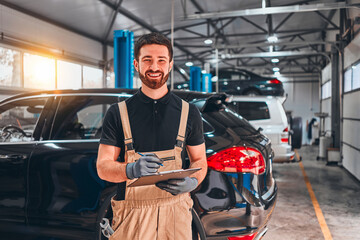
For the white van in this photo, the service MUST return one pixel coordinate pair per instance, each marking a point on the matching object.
(268, 113)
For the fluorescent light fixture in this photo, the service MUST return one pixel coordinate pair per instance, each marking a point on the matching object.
(277, 73)
(272, 39)
(276, 69)
(203, 71)
(208, 41)
(189, 64)
(275, 60)
(182, 71)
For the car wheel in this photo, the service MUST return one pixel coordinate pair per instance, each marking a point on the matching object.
(104, 212)
(198, 232)
(252, 93)
(296, 137)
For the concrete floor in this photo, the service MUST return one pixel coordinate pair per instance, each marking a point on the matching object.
(336, 191)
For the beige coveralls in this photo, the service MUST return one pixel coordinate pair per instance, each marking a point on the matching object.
(149, 213)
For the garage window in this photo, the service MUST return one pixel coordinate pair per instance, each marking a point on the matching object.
(10, 67)
(326, 90)
(356, 77)
(348, 80)
(92, 77)
(68, 75)
(39, 72)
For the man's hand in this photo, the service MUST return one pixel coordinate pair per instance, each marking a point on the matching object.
(145, 165)
(178, 186)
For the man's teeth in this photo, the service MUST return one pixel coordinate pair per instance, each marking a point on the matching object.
(154, 75)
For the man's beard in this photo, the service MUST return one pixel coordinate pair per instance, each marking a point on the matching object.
(153, 84)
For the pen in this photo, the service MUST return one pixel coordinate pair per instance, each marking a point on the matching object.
(144, 155)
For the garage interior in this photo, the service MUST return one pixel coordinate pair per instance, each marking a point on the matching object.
(317, 47)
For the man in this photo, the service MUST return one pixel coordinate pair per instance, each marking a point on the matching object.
(150, 131)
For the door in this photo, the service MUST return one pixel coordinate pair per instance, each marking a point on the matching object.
(21, 123)
(66, 195)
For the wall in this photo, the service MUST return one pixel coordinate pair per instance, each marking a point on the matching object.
(351, 115)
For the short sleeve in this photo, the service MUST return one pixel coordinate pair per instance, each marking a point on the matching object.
(112, 129)
(196, 133)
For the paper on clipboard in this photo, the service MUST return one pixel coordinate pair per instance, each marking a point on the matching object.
(163, 176)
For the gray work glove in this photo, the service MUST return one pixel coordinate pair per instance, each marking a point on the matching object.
(145, 165)
(178, 186)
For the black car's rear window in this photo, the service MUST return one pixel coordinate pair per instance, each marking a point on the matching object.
(251, 110)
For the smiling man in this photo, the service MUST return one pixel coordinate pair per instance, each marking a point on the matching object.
(150, 132)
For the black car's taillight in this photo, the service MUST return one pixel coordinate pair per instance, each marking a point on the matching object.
(274, 81)
(238, 159)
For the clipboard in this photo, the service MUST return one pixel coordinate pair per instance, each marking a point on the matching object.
(163, 176)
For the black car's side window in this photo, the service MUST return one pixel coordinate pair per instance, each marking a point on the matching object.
(18, 119)
(81, 117)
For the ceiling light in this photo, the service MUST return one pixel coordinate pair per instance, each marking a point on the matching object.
(276, 69)
(203, 71)
(182, 71)
(275, 60)
(272, 39)
(277, 73)
(189, 64)
(208, 41)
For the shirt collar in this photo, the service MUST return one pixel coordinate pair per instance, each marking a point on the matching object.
(145, 99)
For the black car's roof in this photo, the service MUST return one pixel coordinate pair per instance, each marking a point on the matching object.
(186, 95)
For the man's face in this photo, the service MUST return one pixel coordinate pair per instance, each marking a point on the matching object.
(154, 65)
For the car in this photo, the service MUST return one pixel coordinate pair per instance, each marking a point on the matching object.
(50, 188)
(243, 82)
(267, 113)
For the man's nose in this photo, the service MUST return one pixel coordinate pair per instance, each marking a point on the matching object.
(154, 66)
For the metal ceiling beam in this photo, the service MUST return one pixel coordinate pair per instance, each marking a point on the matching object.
(273, 10)
(295, 31)
(112, 21)
(327, 20)
(147, 26)
(254, 24)
(283, 21)
(51, 21)
(273, 54)
(200, 9)
(266, 44)
(280, 65)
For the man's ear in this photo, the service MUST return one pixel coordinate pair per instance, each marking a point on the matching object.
(136, 65)
(171, 65)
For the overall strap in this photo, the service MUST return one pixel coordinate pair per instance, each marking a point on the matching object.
(183, 122)
(128, 141)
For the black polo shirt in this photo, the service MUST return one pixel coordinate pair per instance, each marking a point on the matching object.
(154, 124)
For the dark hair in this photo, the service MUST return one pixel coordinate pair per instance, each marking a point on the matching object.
(152, 38)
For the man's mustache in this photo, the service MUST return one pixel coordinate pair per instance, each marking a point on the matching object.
(149, 71)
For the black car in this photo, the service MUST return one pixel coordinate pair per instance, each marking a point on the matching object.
(49, 184)
(243, 82)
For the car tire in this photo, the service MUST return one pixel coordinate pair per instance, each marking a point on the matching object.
(252, 92)
(296, 137)
(105, 211)
(198, 232)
